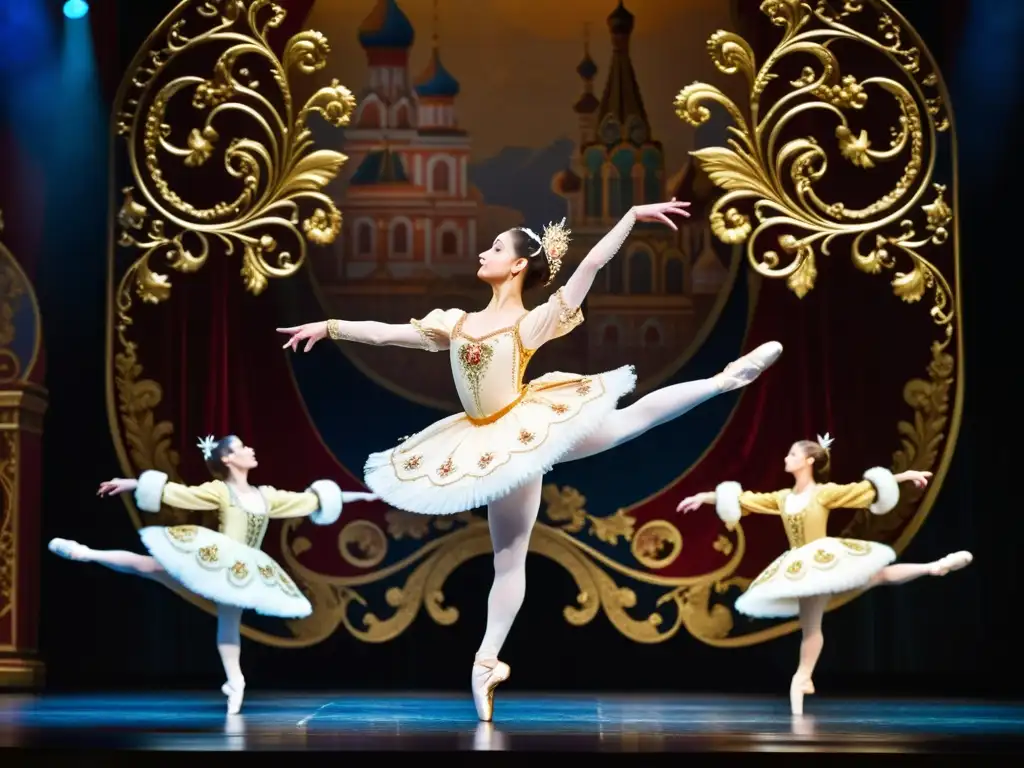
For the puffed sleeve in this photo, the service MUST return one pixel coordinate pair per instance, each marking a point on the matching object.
(550, 320)
(436, 328)
(321, 502)
(154, 489)
(878, 492)
(732, 502)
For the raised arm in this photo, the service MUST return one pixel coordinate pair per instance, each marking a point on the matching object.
(561, 313)
(432, 333)
(321, 502)
(578, 285)
(731, 503)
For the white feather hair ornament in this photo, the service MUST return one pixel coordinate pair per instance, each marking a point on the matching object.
(206, 445)
(826, 441)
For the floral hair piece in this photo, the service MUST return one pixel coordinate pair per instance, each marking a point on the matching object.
(206, 445)
(554, 242)
(826, 441)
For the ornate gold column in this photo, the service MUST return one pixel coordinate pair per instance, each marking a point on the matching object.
(22, 405)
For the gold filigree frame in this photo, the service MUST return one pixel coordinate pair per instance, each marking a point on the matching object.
(278, 174)
(750, 169)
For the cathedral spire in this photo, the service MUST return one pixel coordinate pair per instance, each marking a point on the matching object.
(437, 26)
(587, 103)
(622, 107)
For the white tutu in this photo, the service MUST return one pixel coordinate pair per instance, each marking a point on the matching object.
(225, 571)
(822, 567)
(455, 465)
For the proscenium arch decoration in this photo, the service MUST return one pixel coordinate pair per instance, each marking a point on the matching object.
(281, 179)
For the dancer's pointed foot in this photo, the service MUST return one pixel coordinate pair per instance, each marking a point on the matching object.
(69, 550)
(951, 562)
(235, 693)
(488, 674)
(798, 688)
(741, 372)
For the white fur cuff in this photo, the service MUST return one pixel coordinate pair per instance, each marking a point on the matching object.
(887, 490)
(149, 492)
(727, 502)
(330, 502)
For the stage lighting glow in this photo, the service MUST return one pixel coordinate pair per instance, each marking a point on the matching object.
(76, 9)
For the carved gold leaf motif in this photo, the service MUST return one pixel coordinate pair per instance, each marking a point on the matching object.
(775, 176)
(273, 166)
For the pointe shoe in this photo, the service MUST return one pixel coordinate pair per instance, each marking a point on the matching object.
(798, 688)
(235, 693)
(744, 370)
(487, 675)
(952, 562)
(69, 550)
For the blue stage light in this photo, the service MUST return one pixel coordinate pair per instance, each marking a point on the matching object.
(76, 9)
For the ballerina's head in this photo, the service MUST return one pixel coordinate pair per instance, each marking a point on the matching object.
(227, 456)
(811, 456)
(523, 256)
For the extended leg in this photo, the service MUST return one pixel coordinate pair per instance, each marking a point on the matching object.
(669, 403)
(115, 559)
(812, 609)
(901, 573)
(511, 521)
(229, 645)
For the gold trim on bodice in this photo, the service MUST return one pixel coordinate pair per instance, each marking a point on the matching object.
(474, 359)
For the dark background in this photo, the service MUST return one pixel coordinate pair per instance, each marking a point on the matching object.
(954, 637)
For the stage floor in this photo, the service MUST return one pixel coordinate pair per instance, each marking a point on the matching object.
(315, 723)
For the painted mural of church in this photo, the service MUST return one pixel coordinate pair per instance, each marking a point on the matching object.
(408, 208)
(649, 302)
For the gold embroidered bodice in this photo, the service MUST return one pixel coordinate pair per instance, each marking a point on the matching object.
(245, 520)
(488, 371)
(806, 519)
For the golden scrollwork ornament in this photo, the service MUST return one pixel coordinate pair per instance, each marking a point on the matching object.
(602, 581)
(236, 118)
(771, 177)
(776, 175)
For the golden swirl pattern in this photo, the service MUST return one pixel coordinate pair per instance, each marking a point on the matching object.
(679, 602)
(271, 161)
(777, 178)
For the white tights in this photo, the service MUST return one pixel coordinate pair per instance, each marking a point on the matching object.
(229, 618)
(511, 518)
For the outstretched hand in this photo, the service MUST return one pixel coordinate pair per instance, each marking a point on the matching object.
(311, 333)
(919, 479)
(117, 486)
(690, 503)
(660, 212)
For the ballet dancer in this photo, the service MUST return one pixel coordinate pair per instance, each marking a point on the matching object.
(224, 566)
(511, 433)
(802, 580)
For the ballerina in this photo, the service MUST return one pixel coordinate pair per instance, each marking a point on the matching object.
(511, 433)
(802, 580)
(225, 566)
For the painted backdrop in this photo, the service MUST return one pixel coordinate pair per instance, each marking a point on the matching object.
(357, 168)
